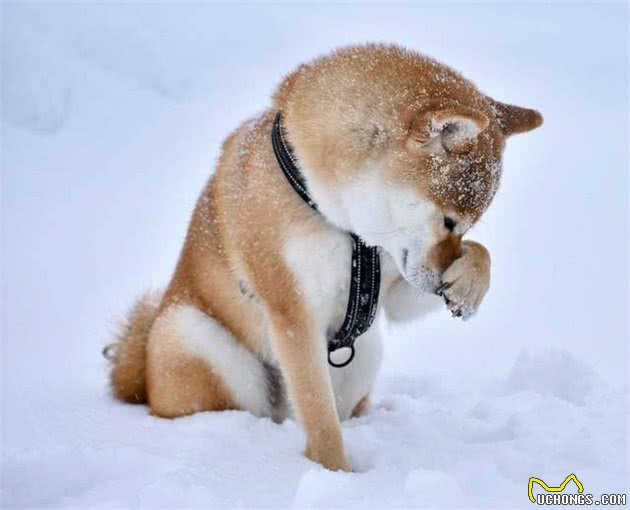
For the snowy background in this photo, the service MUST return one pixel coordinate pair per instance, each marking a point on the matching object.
(112, 118)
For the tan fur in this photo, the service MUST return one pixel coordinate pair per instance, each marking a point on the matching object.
(128, 377)
(341, 112)
(361, 408)
(374, 105)
(178, 383)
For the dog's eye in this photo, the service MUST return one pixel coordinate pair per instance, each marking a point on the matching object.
(449, 223)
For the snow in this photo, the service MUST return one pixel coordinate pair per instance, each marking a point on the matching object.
(112, 116)
(422, 444)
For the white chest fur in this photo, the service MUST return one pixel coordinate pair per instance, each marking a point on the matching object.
(320, 258)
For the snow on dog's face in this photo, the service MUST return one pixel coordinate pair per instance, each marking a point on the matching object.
(441, 177)
(432, 185)
(399, 149)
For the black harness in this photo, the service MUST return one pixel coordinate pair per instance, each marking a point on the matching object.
(365, 281)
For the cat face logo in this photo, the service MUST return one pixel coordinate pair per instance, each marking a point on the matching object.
(560, 488)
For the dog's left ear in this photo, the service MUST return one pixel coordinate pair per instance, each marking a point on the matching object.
(515, 119)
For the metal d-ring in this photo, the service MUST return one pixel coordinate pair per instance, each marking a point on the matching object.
(345, 363)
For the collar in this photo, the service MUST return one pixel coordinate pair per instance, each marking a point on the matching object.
(365, 280)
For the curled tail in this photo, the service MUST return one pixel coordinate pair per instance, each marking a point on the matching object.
(128, 352)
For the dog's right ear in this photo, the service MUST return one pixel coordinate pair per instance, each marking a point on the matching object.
(453, 130)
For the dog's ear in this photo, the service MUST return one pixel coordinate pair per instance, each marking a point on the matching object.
(514, 119)
(453, 130)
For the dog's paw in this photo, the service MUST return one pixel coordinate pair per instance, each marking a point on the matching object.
(466, 281)
(332, 458)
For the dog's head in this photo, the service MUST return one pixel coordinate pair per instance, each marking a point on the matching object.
(399, 149)
(441, 178)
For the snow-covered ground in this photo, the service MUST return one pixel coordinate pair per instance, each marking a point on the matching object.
(112, 116)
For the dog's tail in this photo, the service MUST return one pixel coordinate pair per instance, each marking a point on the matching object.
(129, 352)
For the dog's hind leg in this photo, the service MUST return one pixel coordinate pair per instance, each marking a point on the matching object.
(195, 364)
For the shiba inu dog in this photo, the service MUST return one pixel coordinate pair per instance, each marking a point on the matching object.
(393, 147)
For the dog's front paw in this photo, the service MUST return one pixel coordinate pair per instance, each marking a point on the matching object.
(466, 281)
(328, 455)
